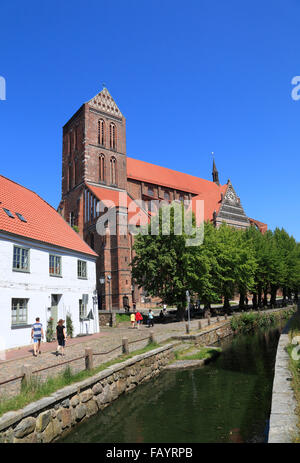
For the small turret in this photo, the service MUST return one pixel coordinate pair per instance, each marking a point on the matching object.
(215, 173)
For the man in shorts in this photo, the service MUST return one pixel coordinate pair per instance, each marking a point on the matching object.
(37, 334)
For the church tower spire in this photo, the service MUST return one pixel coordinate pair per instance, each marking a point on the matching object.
(215, 173)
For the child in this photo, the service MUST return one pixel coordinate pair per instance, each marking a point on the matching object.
(132, 319)
(138, 318)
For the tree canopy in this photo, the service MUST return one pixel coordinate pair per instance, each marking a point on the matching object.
(227, 262)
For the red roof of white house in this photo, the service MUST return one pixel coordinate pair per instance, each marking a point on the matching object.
(43, 222)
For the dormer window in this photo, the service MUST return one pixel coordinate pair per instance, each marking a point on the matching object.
(7, 211)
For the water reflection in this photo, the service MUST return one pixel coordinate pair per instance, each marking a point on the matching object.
(227, 401)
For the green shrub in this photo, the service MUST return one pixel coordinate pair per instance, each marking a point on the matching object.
(50, 330)
(69, 325)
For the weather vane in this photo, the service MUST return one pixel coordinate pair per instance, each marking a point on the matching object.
(103, 85)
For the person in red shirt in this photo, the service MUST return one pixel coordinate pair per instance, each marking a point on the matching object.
(138, 319)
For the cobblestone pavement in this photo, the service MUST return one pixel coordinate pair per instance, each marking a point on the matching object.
(105, 341)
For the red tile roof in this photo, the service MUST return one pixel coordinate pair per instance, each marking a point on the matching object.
(206, 190)
(43, 224)
(111, 198)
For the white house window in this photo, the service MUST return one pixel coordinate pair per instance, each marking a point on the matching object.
(19, 311)
(82, 310)
(21, 259)
(81, 269)
(55, 265)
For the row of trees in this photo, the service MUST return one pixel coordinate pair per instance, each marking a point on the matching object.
(229, 261)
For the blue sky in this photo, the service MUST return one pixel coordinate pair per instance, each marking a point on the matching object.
(190, 77)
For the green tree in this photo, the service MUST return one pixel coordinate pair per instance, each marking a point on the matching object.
(162, 262)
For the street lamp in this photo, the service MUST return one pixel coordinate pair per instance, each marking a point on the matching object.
(110, 295)
(188, 307)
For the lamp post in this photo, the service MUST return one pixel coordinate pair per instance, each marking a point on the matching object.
(188, 308)
(102, 282)
(109, 294)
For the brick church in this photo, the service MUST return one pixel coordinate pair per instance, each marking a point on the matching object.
(96, 171)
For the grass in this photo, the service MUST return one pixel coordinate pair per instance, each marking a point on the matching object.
(203, 353)
(248, 321)
(122, 317)
(37, 389)
(294, 366)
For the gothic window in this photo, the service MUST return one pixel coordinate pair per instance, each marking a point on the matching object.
(167, 196)
(150, 191)
(101, 168)
(112, 136)
(75, 138)
(101, 132)
(76, 172)
(70, 142)
(113, 162)
(70, 176)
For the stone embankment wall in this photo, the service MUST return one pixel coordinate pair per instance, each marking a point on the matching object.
(208, 336)
(283, 419)
(51, 417)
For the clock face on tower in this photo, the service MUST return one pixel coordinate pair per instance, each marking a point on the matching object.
(230, 195)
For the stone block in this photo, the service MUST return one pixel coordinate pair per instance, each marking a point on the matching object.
(25, 427)
(86, 395)
(43, 420)
(64, 417)
(52, 431)
(30, 439)
(80, 412)
(92, 407)
(97, 389)
(74, 401)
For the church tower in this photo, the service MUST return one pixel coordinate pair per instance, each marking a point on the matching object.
(93, 170)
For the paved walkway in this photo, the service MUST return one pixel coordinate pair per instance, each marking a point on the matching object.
(108, 339)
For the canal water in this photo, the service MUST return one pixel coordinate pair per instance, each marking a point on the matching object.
(228, 400)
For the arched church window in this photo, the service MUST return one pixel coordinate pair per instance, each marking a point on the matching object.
(70, 176)
(101, 132)
(112, 136)
(101, 168)
(113, 179)
(76, 174)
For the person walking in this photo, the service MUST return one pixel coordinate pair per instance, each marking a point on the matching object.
(150, 318)
(61, 336)
(37, 334)
(132, 319)
(138, 318)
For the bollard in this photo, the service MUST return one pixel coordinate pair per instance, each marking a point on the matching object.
(125, 346)
(89, 359)
(200, 325)
(208, 320)
(27, 374)
(225, 316)
(218, 318)
(187, 328)
(151, 338)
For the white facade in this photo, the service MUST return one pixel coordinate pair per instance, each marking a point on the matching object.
(43, 292)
